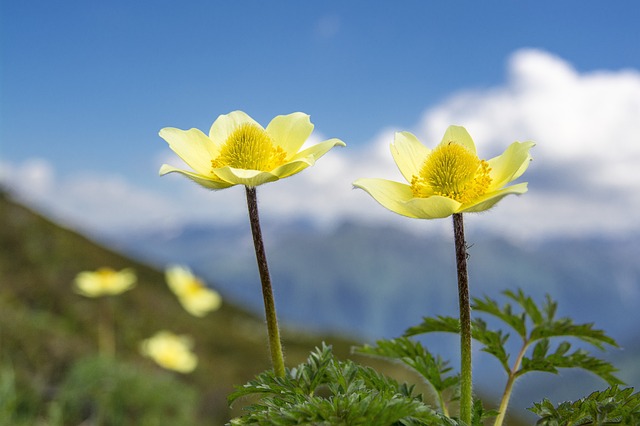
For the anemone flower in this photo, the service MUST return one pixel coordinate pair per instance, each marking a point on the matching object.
(449, 179)
(239, 151)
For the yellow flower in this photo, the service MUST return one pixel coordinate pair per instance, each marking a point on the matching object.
(193, 294)
(170, 351)
(239, 151)
(448, 179)
(104, 281)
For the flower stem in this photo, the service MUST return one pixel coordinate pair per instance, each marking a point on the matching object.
(106, 333)
(275, 346)
(466, 401)
(506, 395)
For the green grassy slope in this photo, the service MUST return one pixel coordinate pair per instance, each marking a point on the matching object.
(45, 327)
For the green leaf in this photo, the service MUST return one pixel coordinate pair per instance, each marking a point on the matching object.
(493, 341)
(479, 414)
(540, 350)
(565, 327)
(414, 355)
(438, 324)
(527, 304)
(550, 308)
(491, 307)
(611, 406)
(542, 361)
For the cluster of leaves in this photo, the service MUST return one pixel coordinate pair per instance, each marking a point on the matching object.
(609, 407)
(433, 369)
(535, 327)
(326, 391)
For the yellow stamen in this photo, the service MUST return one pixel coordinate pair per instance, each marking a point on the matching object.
(193, 287)
(250, 147)
(452, 171)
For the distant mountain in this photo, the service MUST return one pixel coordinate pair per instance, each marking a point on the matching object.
(377, 281)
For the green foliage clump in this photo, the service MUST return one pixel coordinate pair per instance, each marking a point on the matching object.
(325, 391)
(432, 368)
(613, 406)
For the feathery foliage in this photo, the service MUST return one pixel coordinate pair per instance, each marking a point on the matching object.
(613, 406)
(325, 391)
(535, 327)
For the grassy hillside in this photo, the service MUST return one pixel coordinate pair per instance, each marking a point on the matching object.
(45, 328)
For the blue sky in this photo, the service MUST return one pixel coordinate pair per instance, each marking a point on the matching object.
(85, 87)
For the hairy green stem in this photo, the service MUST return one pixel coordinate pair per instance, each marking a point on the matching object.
(466, 400)
(506, 395)
(443, 405)
(275, 345)
(106, 333)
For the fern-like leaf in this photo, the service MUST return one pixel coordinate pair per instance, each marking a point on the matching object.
(608, 407)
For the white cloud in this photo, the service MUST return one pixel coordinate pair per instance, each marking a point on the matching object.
(572, 116)
(583, 179)
(89, 201)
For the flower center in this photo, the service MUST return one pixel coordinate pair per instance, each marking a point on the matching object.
(452, 171)
(193, 287)
(251, 148)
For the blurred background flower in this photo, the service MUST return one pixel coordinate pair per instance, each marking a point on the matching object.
(170, 351)
(104, 282)
(193, 294)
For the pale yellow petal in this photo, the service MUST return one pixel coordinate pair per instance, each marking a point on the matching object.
(306, 158)
(290, 131)
(202, 302)
(104, 282)
(409, 154)
(510, 165)
(459, 135)
(391, 195)
(193, 294)
(250, 178)
(293, 167)
(316, 151)
(225, 124)
(434, 207)
(193, 146)
(489, 200)
(170, 351)
(177, 278)
(208, 182)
